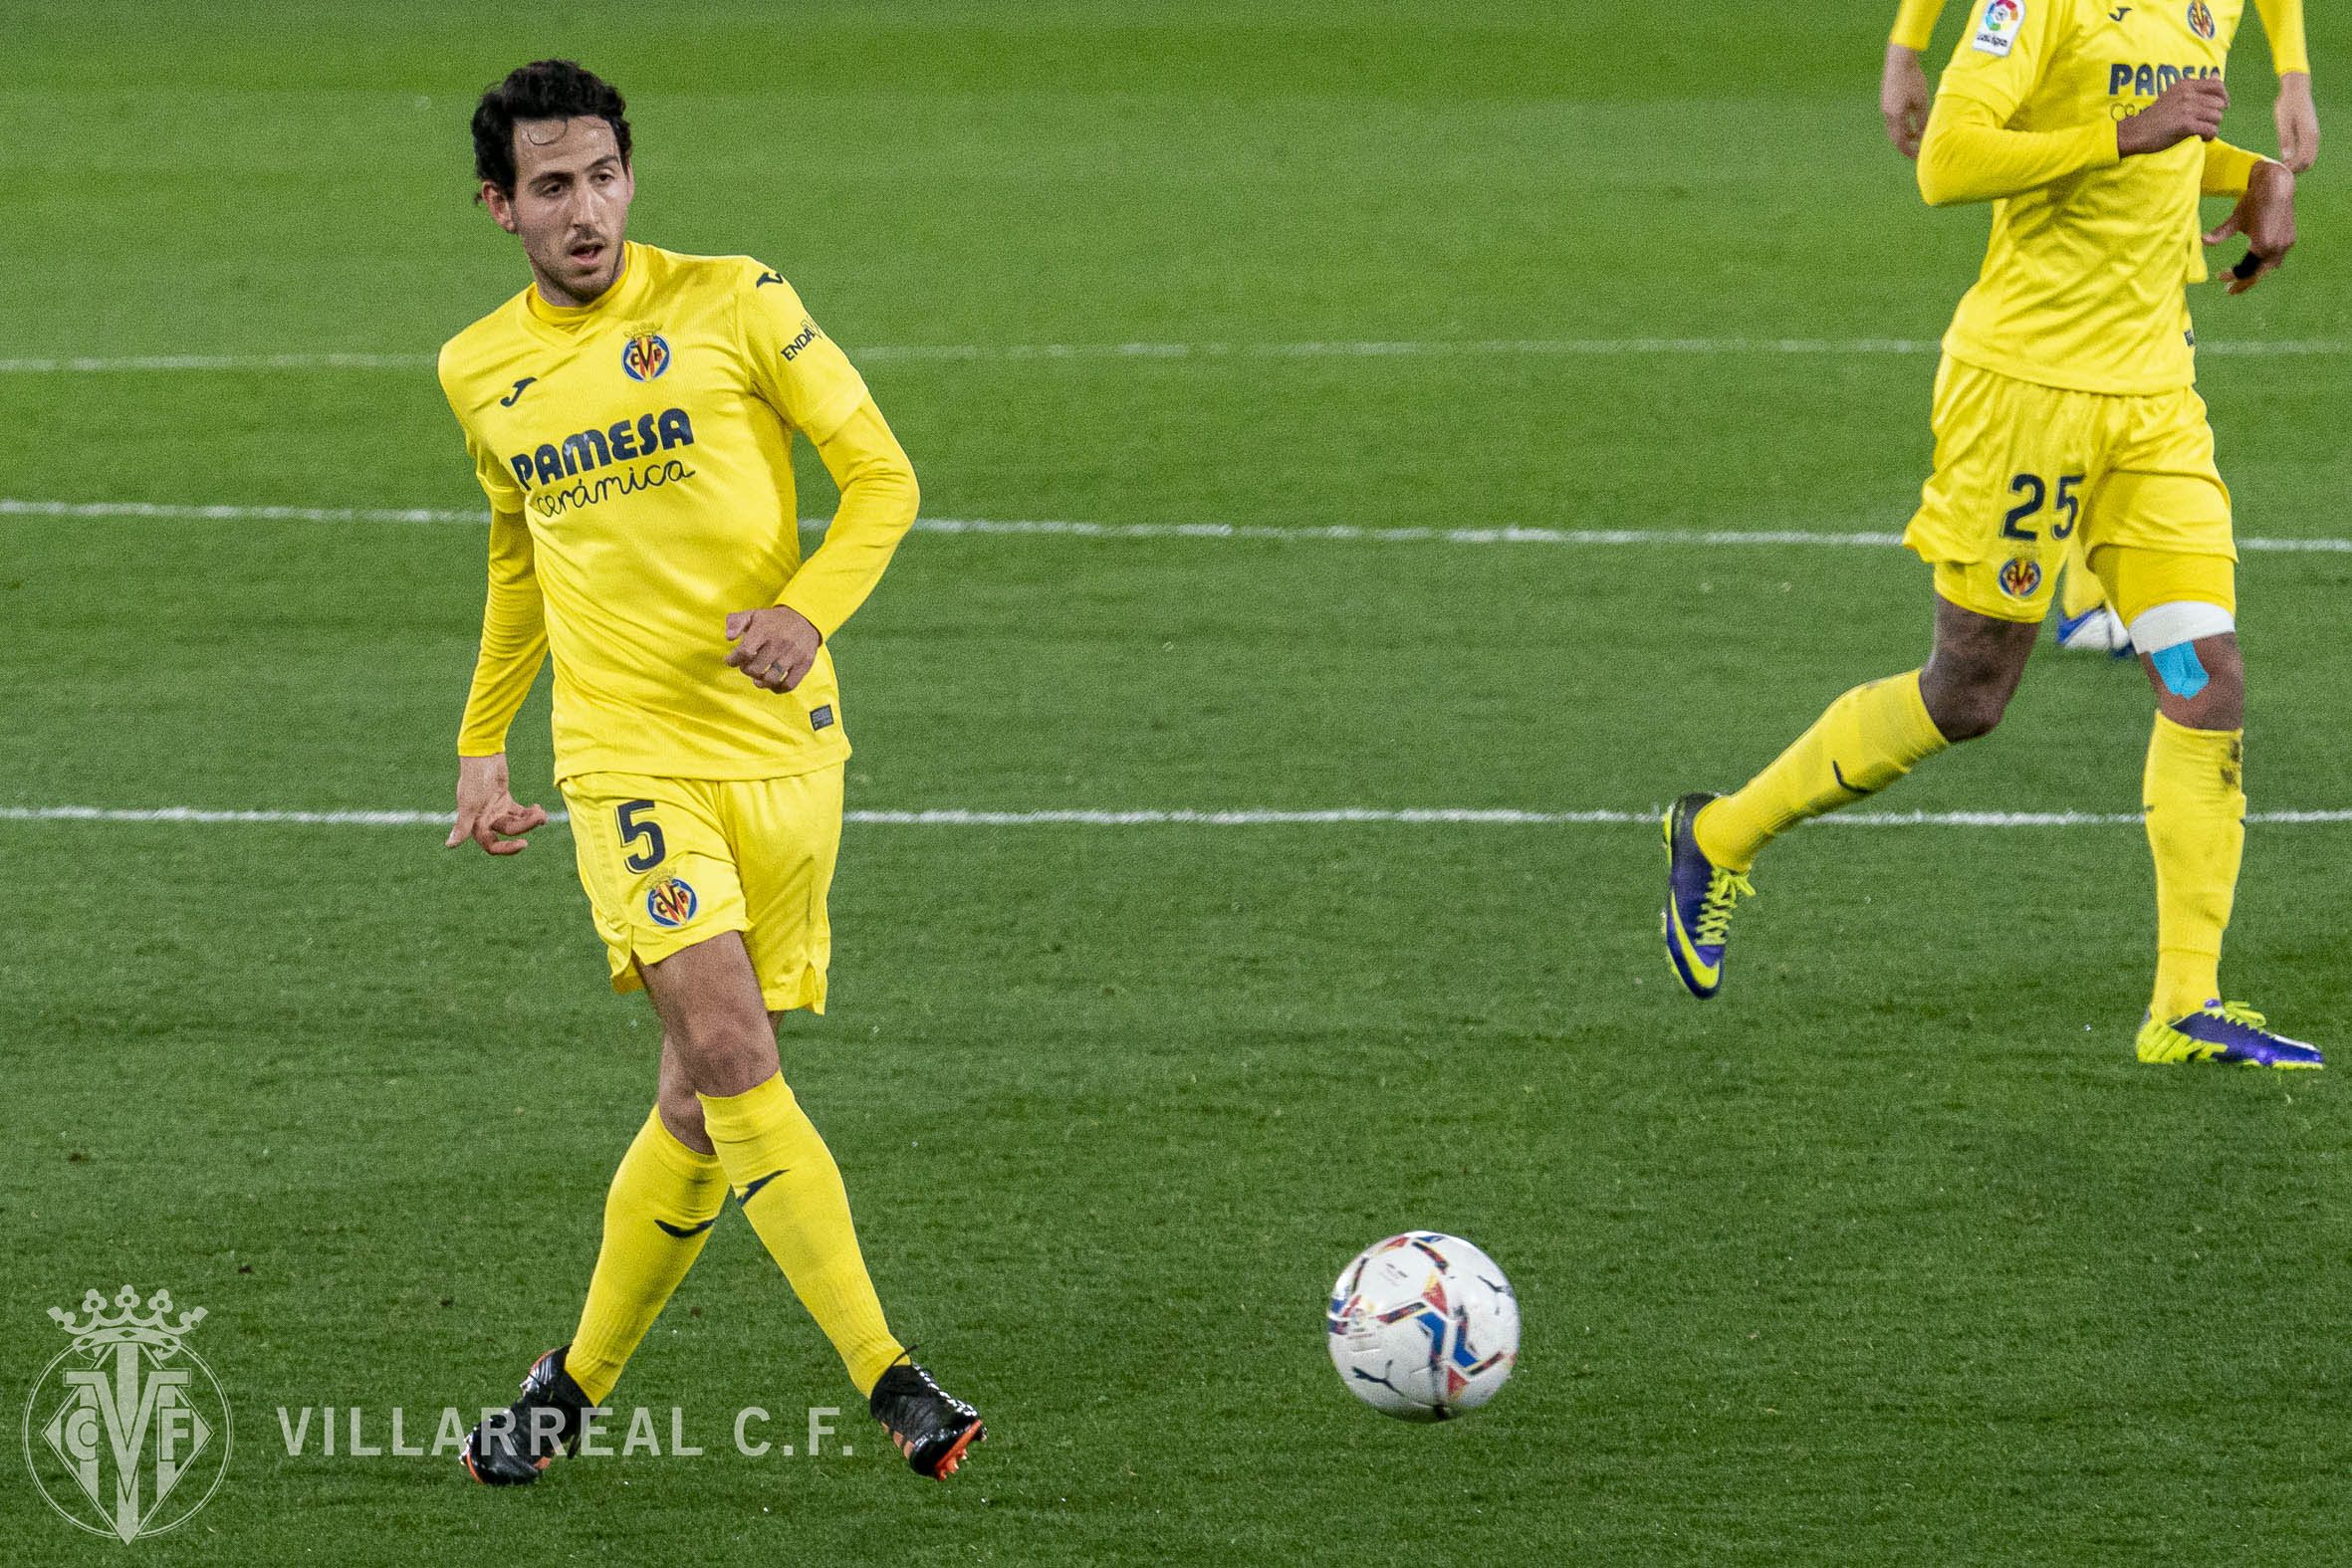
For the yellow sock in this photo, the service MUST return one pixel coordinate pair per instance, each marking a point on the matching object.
(2079, 592)
(657, 1214)
(1868, 739)
(2196, 798)
(792, 1194)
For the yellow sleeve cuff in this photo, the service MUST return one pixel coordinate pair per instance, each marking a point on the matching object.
(2227, 169)
(1915, 24)
(2282, 21)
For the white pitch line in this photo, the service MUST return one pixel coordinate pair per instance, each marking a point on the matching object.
(194, 512)
(201, 816)
(1335, 349)
(1310, 532)
(80, 365)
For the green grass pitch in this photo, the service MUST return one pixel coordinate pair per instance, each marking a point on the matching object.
(1891, 1254)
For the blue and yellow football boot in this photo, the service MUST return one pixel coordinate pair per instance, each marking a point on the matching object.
(1699, 896)
(2230, 1033)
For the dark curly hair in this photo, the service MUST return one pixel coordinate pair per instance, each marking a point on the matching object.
(542, 90)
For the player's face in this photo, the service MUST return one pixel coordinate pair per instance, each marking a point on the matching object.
(571, 204)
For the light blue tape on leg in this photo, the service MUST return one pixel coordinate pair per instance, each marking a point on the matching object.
(2181, 670)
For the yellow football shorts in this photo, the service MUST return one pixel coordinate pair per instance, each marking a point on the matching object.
(2021, 468)
(669, 862)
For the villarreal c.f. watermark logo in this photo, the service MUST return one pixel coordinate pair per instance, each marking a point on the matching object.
(127, 1432)
(645, 355)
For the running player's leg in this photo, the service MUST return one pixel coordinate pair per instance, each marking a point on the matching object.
(711, 1005)
(789, 831)
(2162, 546)
(637, 841)
(1993, 519)
(790, 1189)
(659, 876)
(657, 1214)
(1868, 739)
(1875, 734)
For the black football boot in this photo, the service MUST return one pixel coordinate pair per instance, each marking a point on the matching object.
(510, 1447)
(931, 1427)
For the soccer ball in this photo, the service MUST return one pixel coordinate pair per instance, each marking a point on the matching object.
(1423, 1326)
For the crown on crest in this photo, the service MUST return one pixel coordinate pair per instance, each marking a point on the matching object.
(127, 1322)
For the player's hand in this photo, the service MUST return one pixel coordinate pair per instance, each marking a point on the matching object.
(2297, 119)
(2266, 215)
(1903, 99)
(486, 812)
(2191, 107)
(774, 646)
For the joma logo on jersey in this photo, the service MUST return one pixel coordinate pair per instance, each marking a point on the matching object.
(593, 449)
(2148, 80)
(809, 334)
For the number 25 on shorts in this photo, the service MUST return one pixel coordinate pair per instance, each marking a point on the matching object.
(2031, 487)
(639, 827)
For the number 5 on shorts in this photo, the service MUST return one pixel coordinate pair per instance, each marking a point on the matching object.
(636, 822)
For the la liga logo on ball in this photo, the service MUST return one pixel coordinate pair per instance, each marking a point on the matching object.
(1423, 1326)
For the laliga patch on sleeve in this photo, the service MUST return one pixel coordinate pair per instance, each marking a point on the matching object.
(1999, 30)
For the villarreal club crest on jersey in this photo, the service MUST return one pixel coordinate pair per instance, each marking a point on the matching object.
(644, 355)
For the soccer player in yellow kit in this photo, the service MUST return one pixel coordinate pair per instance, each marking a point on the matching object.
(2065, 404)
(630, 416)
(2085, 622)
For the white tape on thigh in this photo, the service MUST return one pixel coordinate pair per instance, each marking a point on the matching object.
(2163, 626)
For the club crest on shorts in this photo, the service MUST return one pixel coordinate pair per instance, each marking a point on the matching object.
(1998, 31)
(644, 355)
(671, 902)
(2021, 577)
(2200, 19)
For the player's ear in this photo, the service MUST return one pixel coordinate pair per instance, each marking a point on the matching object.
(502, 206)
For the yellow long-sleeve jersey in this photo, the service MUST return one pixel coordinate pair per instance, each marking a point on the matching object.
(637, 452)
(2282, 21)
(2083, 282)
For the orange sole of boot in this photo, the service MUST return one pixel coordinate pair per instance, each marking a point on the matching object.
(955, 1455)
